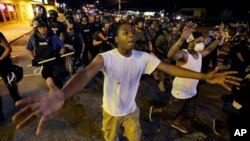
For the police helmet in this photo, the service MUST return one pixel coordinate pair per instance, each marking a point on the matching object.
(40, 11)
(68, 12)
(39, 22)
(52, 14)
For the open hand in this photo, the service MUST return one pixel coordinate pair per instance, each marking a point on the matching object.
(39, 106)
(223, 78)
(187, 30)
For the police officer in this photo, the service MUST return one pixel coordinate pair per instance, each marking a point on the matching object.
(55, 26)
(103, 40)
(5, 65)
(73, 40)
(43, 45)
(142, 38)
(85, 29)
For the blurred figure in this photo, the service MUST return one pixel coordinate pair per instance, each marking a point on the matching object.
(239, 109)
(162, 45)
(40, 11)
(5, 69)
(212, 57)
(142, 38)
(73, 41)
(103, 40)
(85, 29)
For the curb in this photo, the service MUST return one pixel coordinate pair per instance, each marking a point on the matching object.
(19, 37)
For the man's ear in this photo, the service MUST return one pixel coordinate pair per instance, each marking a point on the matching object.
(116, 39)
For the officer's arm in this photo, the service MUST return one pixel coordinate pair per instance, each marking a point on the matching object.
(31, 54)
(59, 43)
(96, 43)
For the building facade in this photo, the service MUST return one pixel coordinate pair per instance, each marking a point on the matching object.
(21, 10)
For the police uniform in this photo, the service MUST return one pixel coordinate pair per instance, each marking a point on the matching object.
(45, 48)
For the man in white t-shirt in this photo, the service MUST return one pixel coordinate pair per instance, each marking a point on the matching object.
(122, 68)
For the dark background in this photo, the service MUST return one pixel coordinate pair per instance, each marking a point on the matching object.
(213, 7)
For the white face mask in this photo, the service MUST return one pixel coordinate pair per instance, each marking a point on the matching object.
(199, 47)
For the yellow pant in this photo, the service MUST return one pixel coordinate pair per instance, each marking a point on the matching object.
(128, 125)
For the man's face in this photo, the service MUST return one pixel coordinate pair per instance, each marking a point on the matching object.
(42, 30)
(97, 17)
(84, 19)
(125, 37)
(216, 34)
(140, 25)
(175, 30)
(106, 26)
(70, 26)
(152, 26)
(194, 42)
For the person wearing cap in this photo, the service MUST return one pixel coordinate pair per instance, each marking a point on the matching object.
(162, 45)
(5, 68)
(184, 90)
(43, 45)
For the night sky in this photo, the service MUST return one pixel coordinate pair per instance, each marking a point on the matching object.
(239, 7)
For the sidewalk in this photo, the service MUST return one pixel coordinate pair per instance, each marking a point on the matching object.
(14, 31)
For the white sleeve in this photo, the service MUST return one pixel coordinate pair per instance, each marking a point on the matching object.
(151, 63)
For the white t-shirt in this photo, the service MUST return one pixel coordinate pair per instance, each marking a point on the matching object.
(121, 79)
(184, 88)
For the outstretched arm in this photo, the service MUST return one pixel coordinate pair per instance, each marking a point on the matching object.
(45, 105)
(81, 79)
(213, 77)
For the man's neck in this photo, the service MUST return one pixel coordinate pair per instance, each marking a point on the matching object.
(125, 53)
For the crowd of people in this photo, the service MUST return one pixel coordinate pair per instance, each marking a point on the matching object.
(110, 44)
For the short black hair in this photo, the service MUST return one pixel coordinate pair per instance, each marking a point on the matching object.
(117, 29)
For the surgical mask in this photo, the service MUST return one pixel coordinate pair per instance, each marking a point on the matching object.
(199, 47)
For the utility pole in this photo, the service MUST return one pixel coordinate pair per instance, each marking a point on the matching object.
(119, 6)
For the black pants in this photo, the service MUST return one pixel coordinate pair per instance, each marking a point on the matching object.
(56, 71)
(13, 89)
